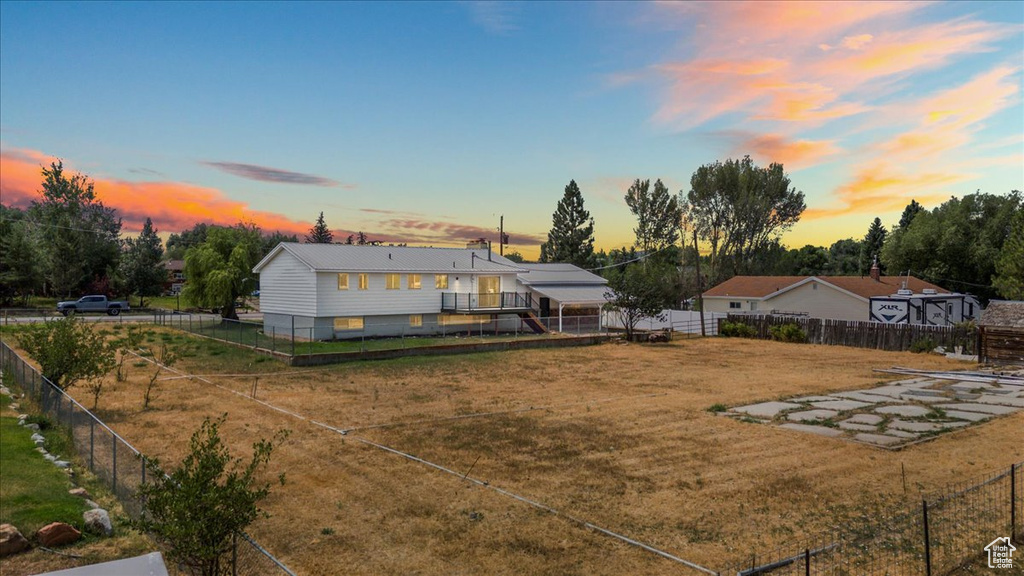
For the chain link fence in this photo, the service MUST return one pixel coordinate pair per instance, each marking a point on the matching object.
(111, 458)
(937, 536)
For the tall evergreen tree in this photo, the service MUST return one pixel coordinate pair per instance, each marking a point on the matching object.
(319, 233)
(1009, 278)
(143, 273)
(657, 213)
(571, 238)
(871, 248)
(908, 214)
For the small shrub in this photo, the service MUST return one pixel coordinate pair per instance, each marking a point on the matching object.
(926, 344)
(717, 408)
(43, 422)
(788, 333)
(327, 531)
(737, 330)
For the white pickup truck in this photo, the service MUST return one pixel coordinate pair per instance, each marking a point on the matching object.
(97, 303)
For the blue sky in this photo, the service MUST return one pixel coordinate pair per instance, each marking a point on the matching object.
(424, 122)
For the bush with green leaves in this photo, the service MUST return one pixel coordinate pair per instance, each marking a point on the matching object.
(926, 344)
(737, 330)
(69, 351)
(205, 501)
(790, 332)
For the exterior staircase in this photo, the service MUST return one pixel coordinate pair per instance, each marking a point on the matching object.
(531, 320)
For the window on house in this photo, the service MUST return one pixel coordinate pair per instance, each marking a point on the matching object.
(735, 305)
(350, 323)
(413, 281)
(392, 281)
(364, 281)
(814, 285)
(455, 319)
(441, 281)
(342, 281)
(415, 320)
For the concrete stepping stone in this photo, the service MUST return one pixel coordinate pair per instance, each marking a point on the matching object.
(819, 430)
(970, 386)
(870, 398)
(924, 392)
(808, 415)
(970, 416)
(926, 399)
(906, 410)
(902, 434)
(890, 391)
(838, 404)
(868, 419)
(914, 426)
(1000, 400)
(766, 409)
(878, 439)
(847, 425)
(982, 408)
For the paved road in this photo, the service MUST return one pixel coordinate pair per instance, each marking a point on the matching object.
(6, 320)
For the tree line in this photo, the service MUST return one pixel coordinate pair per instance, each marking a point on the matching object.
(731, 220)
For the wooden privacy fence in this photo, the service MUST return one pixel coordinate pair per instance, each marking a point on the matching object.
(877, 335)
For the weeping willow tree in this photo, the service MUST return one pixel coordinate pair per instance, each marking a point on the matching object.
(219, 270)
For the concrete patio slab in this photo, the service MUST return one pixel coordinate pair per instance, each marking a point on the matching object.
(926, 399)
(808, 415)
(982, 408)
(969, 416)
(878, 439)
(766, 409)
(847, 425)
(812, 399)
(902, 434)
(869, 419)
(914, 426)
(906, 410)
(862, 397)
(841, 405)
(819, 430)
(1000, 400)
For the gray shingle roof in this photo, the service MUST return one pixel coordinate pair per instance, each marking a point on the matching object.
(1003, 313)
(560, 274)
(355, 258)
(593, 294)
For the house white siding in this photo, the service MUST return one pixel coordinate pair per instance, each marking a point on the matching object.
(287, 286)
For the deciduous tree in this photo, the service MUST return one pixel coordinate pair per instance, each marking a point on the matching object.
(219, 270)
(68, 351)
(634, 294)
(657, 214)
(1009, 279)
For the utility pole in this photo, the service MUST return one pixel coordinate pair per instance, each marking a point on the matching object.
(700, 290)
(501, 236)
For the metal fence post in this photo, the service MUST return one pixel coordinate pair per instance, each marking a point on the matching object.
(113, 482)
(807, 562)
(1013, 502)
(92, 442)
(293, 336)
(927, 544)
(234, 554)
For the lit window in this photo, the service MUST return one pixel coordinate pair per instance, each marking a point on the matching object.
(415, 320)
(392, 281)
(413, 281)
(734, 305)
(455, 319)
(364, 281)
(441, 281)
(342, 281)
(351, 323)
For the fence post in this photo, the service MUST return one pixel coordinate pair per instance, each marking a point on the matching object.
(234, 554)
(927, 544)
(273, 338)
(807, 562)
(293, 335)
(113, 483)
(92, 442)
(1013, 502)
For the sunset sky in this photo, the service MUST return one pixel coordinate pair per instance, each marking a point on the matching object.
(424, 122)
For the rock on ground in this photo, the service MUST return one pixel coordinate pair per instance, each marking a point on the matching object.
(97, 521)
(11, 540)
(57, 534)
(80, 492)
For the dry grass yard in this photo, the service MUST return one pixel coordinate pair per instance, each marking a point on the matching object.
(618, 435)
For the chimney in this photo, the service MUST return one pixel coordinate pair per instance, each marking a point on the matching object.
(876, 274)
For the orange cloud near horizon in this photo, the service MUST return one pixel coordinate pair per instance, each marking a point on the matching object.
(173, 206)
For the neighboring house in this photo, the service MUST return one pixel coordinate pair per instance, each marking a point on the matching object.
(838, 297)
(560, 290)
(175, 277)
(326, 291)
(1001, 333)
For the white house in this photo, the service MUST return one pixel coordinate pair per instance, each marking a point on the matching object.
(560, 290)
(905, 298)
(327, 291)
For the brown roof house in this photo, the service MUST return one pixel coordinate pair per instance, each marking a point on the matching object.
(899, 298)
(1001, 332)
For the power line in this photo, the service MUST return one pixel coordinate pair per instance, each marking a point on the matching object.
(637, 259)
